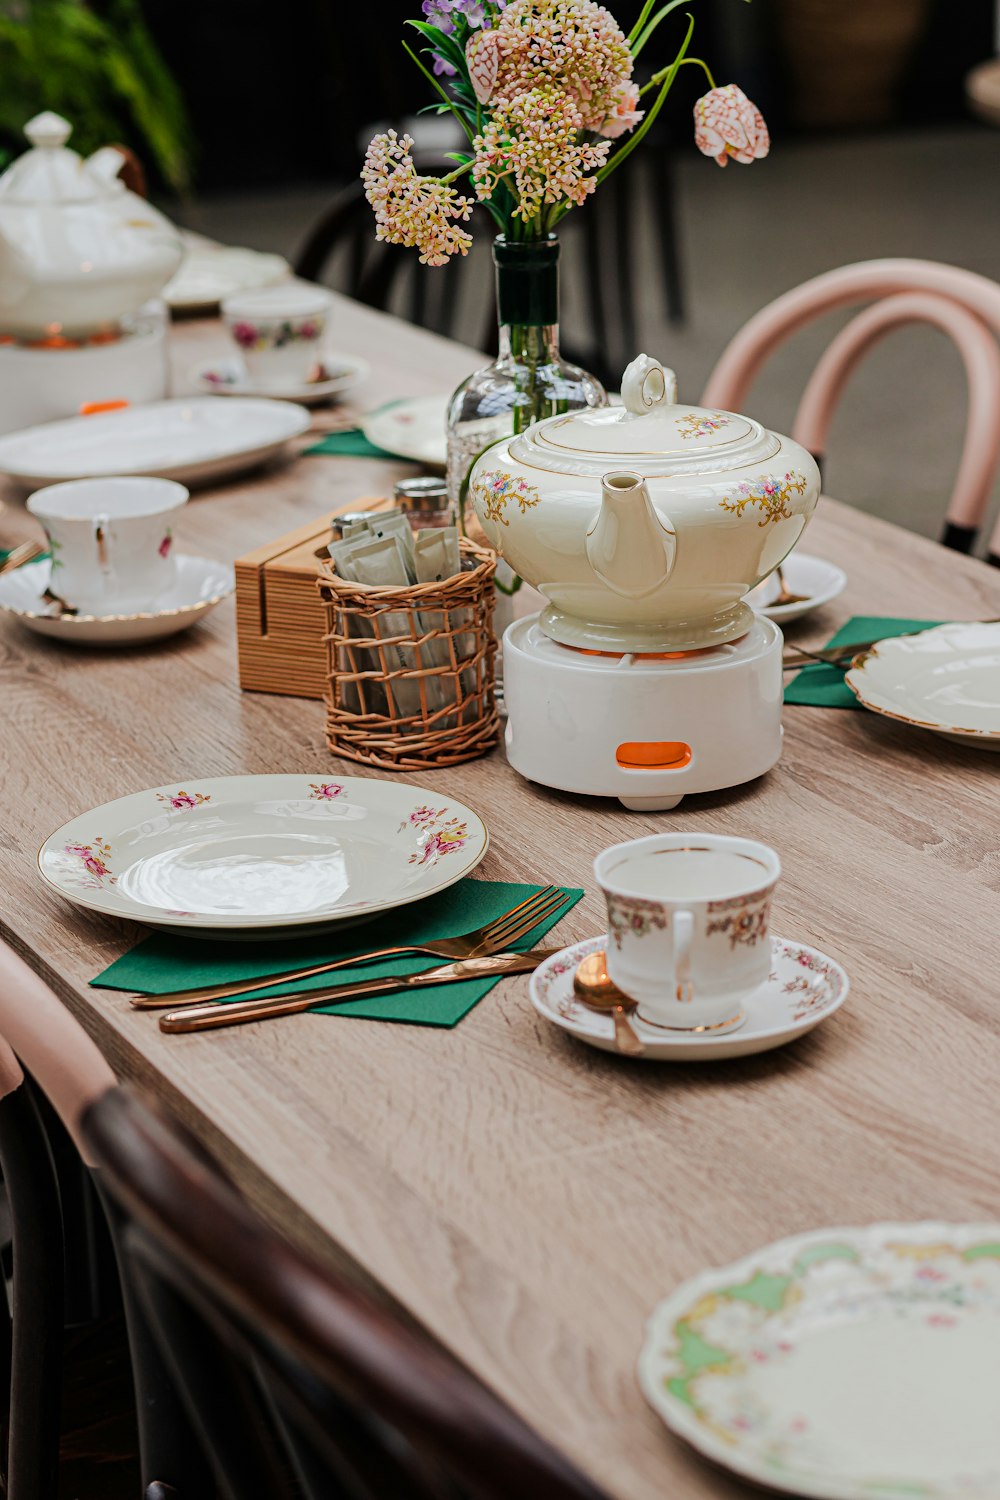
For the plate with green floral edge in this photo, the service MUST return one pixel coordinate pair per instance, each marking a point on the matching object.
(231, 853)
(848, 1364)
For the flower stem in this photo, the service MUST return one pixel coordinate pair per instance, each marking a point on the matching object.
(636, 137)
(444, 94)
(697, 62)
(647, 31)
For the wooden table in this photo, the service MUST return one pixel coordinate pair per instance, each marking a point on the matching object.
(526, 1198)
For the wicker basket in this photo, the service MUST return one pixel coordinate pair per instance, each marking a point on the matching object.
(411, 669)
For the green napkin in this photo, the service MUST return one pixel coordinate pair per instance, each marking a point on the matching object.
(823, 685)
(351, 443)
(173, 962)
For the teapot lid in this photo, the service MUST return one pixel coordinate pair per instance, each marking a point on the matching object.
(650, 433)
(50, 172)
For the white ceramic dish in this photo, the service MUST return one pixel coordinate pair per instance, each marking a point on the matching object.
(413, 429)
(946, 679)
(199, 586)
(190, 440)
(804, 988)
(846, 1364)
(228, 377)
(208, 274)
(819, 581)
(267, 853)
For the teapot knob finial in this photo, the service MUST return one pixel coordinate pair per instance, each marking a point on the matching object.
(48, 129)
(647, 384)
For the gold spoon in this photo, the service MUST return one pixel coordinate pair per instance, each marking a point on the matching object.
(785, 596)
(594, 987)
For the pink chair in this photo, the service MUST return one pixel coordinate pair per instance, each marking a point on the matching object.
(964, 305)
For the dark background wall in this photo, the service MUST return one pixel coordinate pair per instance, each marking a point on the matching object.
(279, 90)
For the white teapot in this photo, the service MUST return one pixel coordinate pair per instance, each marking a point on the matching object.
(645, 525)
(78, 251)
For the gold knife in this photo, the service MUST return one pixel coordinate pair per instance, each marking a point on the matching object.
(835, 656)
(236, 1012)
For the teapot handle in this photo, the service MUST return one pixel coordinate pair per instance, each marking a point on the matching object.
(647, 384)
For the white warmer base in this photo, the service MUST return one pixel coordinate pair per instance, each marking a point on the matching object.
(645, 731)
(43, 385)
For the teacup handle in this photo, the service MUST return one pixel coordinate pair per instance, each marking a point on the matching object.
(683, 933)
(102, 540)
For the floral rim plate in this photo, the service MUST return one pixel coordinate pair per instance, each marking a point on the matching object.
(847, 1364)
(238, 852)
(228, 377)
(200, 585)
(804, 988)
(816, 579)
(190, 440)
(413, 429)
(946, 679)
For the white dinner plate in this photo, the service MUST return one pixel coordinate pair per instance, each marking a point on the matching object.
(804, 987)
(846, 1364)
(229, 377)
(413, 429)
(199, 586)
(817, 580)
(946, 679)
(209, 273)
(263, 852)
(190, 440)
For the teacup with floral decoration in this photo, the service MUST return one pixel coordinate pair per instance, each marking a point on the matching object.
(688, 918)
(112, 541)
(279, 331)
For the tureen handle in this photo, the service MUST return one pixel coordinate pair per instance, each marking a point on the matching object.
(647, 384)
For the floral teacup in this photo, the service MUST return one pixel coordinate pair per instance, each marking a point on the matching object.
(111, 541)
(688, 925)
(279, 331)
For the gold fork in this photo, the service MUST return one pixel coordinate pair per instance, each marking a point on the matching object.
(25, 553)
(491, 938)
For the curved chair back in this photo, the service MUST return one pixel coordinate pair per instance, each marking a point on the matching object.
(963, 304)
(264, 1340)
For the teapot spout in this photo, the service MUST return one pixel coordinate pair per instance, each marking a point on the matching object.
(630, 546)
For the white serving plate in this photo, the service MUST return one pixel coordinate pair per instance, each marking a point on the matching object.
(414, 429)
(846, 1364)
(190, 440)
(207, 274)
(816, 579)
(946, 679)
(229, 377)
(200, 585)
(263, 852)
(803, 989)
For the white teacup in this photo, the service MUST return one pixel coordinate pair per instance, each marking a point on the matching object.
(688, 925)
(111, 541)
(279, 330)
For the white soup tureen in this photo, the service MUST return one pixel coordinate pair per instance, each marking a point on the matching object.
(645, 525)
(78, 252)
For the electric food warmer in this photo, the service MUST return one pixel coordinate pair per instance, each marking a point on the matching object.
(647, 675)
(80, 257)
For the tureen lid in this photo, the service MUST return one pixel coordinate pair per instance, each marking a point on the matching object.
(50, 172)
(650, 433)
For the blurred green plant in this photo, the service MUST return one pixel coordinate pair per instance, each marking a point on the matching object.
(101, 69)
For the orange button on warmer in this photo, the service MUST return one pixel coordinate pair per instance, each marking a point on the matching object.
(653, 755)
(91, 408)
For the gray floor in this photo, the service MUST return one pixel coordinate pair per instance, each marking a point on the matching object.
(749, 234)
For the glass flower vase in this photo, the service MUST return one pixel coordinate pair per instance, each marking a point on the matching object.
(529, 379)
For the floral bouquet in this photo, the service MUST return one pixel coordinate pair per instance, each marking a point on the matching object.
(545, 94)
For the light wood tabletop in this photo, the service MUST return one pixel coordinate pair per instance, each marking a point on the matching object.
(526, 1198)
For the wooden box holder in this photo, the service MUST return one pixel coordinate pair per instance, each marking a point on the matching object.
(411, 670)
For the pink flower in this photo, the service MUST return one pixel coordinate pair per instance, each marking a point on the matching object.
(164, 548)
(727, 123)
(411, 209)
(482, 53)
(245, 334)
(623, 112)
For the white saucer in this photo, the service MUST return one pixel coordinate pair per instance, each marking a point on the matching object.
(228, 377)
(209, 273)
(414, 429)
(803, 988)
(818, 580)
(199, 586)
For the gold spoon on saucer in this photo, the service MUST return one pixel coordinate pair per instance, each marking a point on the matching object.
(784, 594)
(594, 987)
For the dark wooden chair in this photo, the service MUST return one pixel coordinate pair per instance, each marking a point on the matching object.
(298, 1383)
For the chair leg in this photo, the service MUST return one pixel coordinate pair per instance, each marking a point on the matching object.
(36, 1302)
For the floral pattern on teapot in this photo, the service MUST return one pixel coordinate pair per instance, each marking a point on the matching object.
(495, 490)
(772, 495)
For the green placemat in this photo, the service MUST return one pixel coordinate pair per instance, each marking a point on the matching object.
(351, 443)
(172, 962)
(823, 686)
